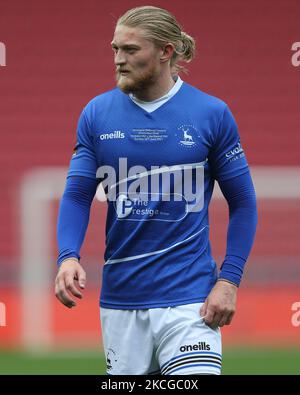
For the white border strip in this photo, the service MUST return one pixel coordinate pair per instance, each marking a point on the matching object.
(131, 258)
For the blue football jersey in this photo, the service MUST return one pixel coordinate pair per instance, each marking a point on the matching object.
(158, 170)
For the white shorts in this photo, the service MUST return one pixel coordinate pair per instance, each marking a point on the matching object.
(168, 341)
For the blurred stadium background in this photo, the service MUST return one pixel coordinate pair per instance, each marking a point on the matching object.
(58, 57)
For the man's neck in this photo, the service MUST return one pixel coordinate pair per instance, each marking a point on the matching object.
(161, 88)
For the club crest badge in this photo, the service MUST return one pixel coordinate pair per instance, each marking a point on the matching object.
(187, 136)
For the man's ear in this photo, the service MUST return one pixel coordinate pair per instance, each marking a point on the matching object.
(167, 52)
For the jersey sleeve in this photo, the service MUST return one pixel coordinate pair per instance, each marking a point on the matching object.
(83, 161)
(73, 216)
(227, 157)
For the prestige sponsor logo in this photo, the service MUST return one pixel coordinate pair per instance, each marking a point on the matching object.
(126, 207)
(2, 54)
(144, 209)
(201, 346)
(295, 59)
(117, 134)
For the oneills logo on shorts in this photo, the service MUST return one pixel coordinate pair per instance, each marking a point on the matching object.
(201, 346)
(111, 358)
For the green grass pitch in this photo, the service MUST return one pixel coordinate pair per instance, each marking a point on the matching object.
(235, 361)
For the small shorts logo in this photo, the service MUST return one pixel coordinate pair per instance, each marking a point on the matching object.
(110, 359)
(2, 314)
(201, 346)
(296, 316)
(295, 59)
(2, 54)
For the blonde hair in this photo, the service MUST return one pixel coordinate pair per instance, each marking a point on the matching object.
(161, 27)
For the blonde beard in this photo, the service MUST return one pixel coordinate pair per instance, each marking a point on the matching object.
(138, 84)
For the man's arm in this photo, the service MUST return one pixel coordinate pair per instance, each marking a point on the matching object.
(220, 304)
(72, 224)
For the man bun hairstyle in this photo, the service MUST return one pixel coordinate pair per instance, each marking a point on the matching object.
(161, 27)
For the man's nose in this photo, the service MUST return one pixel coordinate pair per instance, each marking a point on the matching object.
(120, 58)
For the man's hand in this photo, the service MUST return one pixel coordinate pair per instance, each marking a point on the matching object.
(69, 271)
(219, 307)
